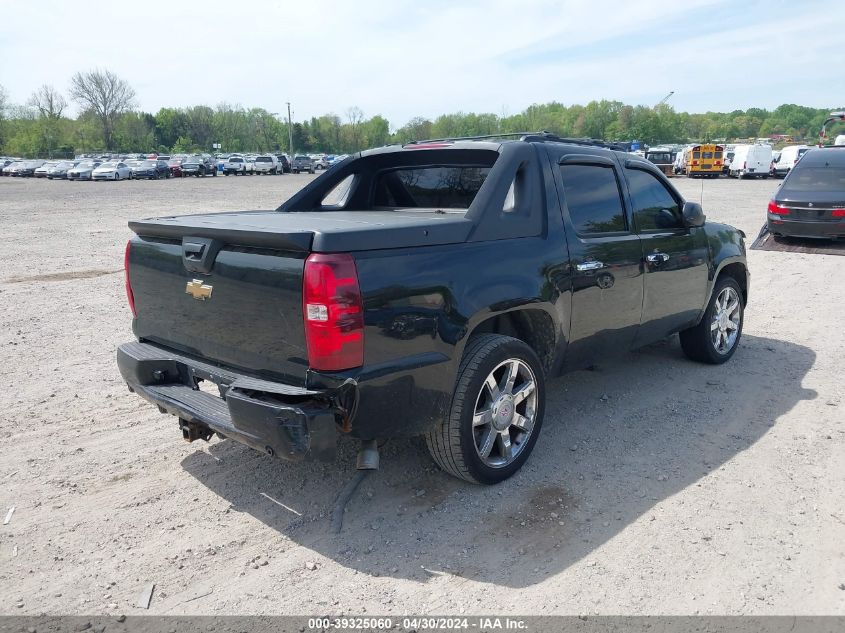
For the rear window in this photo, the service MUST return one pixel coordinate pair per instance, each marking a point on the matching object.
(441, 187)
(236, 160)
(707, 154)
(822, 177)
(263, 159)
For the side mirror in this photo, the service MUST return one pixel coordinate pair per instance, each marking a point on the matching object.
(693, 214)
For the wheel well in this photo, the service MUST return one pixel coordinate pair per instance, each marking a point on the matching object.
(737, 271)
(533, 327)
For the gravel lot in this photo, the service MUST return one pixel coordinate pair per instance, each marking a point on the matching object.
(657, 485)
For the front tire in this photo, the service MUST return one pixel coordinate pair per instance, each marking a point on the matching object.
(716, 337)
(496, 411)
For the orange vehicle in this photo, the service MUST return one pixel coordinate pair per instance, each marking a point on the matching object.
(705, 160)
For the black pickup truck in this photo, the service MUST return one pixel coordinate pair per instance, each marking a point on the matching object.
(425, 289)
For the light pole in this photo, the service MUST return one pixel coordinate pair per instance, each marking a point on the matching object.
(290, 132)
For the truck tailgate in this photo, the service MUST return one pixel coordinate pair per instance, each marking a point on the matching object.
(250, 318)
(227, 287)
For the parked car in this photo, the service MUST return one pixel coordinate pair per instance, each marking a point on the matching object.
(283, 163)
(27, 169)
(302, 163)
(250, 164)
(41, 172)
(112, 170)
(199, 166)
(60, 169)
(12, 168)
(751, 161)
(175, 165)
(83, 170)
(372, 287)
(321, 162)
(5, 163)
(235, 165)
(265, 164)
(151, 169)
(789, 157)
(811, 201)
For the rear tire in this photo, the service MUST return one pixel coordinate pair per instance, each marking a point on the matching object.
(503, 427)
(716, 337)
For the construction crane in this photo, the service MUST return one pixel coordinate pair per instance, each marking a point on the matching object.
(664, 100)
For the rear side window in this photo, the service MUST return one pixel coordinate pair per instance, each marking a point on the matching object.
(443, 187)
(593, 199)
(655, 208)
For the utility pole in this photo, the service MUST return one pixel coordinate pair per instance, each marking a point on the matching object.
(290, 133)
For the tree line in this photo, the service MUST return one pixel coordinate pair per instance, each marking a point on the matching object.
(109, 121)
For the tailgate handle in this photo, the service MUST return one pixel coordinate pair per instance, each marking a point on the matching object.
(199, 253)
(193, 251)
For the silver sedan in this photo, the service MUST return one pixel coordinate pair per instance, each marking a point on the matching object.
(112, 171)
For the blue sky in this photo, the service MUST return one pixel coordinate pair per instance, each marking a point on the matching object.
(409, 58)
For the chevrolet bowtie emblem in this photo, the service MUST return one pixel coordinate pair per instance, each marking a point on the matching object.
(198, 290)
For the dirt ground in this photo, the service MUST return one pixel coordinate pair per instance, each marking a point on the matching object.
(658, 486)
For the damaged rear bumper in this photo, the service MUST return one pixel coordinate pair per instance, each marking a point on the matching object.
(282, 420)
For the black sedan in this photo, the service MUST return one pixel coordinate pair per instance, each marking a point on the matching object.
(811, 201)
(60, 170)
(152, 169)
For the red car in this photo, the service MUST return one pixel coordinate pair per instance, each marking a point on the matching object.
(175, 165)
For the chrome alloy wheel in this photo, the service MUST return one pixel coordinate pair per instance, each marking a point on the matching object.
(505, 412)
(724, 328)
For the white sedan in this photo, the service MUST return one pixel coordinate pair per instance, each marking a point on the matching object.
(112, 171)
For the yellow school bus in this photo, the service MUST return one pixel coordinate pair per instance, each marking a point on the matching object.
(705, 160)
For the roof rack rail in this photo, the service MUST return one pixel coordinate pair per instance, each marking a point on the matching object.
(548, 136)
(468, 138)
(541, 136)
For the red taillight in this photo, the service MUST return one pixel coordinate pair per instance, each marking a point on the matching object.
(333, 312)
(694, 163)
(129, 294)
(838, 213)
(718, 162)
(775, 209)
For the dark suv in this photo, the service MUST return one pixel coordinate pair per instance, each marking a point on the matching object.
(284, 164)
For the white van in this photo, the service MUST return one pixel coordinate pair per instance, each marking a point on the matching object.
(789, 155)
(751, 161)
(840, 140)
(680, 164)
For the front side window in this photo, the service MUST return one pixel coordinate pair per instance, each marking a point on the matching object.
(593, 199)
(655, 208)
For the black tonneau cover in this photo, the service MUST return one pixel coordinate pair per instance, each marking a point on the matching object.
(317, 231)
